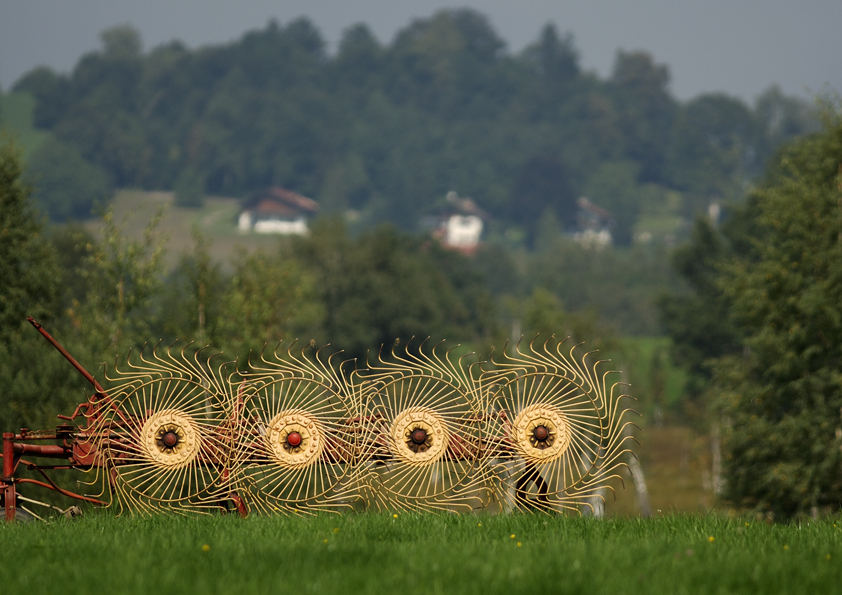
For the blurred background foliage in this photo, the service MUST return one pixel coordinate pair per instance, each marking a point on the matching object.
(718, 296)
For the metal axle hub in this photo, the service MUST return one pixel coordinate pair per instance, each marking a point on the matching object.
(170, 439)
(541, 433)
(419, 436)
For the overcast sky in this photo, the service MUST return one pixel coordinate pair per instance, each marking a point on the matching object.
(736, 46)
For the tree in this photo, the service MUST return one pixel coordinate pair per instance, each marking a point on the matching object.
(358, 60)
(269, 299)
(615, 283)
(781, 397)
(646, 110)
(714, 147)
(783, 118)
(29, 288)
(542, 183)
(65, 185)
(614, 187)
(189, 189)
(122, 277)
(446, 63)
(26, 262)
(192, 301)
(699, 319)
(385, 285)
(121, 41)
(555, 60)
(51, 92)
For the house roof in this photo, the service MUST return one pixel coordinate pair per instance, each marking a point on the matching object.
(586, 205)
(462, 205)
(282, 202)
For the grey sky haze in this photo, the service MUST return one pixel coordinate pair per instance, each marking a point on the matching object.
(740, 47)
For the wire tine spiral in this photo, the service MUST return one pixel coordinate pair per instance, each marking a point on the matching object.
(560, 428)
(298, 439)
(163, 440)
(424, 415)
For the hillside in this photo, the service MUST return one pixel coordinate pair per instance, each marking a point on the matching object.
(216, 220)
(387, 130)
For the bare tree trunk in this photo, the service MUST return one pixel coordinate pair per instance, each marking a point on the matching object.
(639, 481)
(597, 507)
(716, 459)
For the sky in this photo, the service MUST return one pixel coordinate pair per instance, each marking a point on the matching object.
(739, 47)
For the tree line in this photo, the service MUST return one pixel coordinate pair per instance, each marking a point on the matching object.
(386, 130)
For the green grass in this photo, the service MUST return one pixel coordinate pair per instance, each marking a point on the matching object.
(375, 553)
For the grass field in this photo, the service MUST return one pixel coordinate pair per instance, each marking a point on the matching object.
(376, 553)
(216, 221)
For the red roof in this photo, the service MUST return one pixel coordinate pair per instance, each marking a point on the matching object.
(280, 201)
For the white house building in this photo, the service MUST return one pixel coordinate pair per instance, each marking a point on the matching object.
(279, 211)
(460, 225)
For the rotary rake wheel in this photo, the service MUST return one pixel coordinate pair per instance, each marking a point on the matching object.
(165, 441)
(298, 439)
(425, 415)
(560, 429)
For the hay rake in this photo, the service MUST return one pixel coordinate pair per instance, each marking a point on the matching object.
(179, 430)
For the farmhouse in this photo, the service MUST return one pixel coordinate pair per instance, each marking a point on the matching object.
(277, 210)
(595, 225)
(459, 226)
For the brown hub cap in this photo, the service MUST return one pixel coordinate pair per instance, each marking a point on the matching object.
(169, 439)
(541, 433)
(419, 436)
(294, 439)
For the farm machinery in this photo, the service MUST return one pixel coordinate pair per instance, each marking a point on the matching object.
(178, 429)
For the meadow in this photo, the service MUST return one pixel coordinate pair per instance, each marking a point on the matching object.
(412, 553)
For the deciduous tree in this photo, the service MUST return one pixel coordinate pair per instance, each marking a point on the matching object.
(781, 398)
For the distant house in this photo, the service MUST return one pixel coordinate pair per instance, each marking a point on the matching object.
(594, 224)
(460, 225)
(277, 210)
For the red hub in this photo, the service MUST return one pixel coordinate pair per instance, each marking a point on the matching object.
(294, 439)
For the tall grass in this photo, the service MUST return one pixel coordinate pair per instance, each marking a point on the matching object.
(379, 553)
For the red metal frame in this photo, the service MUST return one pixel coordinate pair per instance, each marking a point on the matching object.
(7, 482)
(16, 445)
(70, 443)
